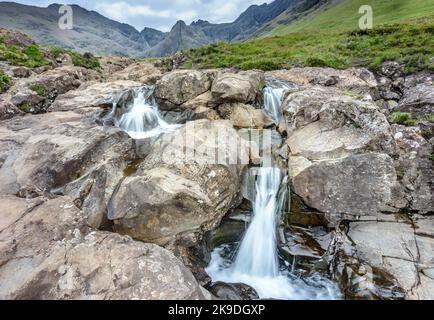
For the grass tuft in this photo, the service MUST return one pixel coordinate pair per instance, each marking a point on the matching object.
(5, 81)
(40, 89)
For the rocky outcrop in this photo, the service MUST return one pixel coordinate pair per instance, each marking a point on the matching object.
(177, 87)
(243, 87)
(36, 93)
(61, 153)
(180, 191)
(397, 246)
(244, 116)
(418, 100)
(142, 72)
(415, 167)
(356, 80)
(358, 185)
(47, 253)
(211, 94)
(325, 123)
(93, 95)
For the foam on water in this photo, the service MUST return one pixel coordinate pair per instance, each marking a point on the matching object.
(257, 261)
(272, 99)
(142, 119)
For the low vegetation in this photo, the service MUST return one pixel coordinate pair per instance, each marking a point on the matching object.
(86, 61)
(5, 82)
(30, 56)
(410, 43)
(40, 89)
(401, 118)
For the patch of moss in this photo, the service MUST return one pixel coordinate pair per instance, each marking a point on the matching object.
(30, 56)
(404, 118)
(40, 89)
(80, 60)
(26, 107)
(426, 117)
(5, 82)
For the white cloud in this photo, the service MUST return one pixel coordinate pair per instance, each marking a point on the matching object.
(162, 14)
(123, 10)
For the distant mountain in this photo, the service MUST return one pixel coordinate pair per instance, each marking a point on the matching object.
(247, 23)
(92, 32)
(95, 33)
(294, 12)
(153, 36)
(180, 37)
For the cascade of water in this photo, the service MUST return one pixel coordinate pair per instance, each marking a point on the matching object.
(272, 99)
(257, 260)
(142, 118)
(257, 255)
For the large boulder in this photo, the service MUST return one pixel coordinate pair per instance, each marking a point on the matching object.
(357, 80)
(93, 95)
(142, 72)
(36, 93)
(244, 115)
(61, 152)
(325, 123)
(415, 167)
(396, 245)
(359, 185)
(189, 181)
(418, 100)
(7, 109)
(179, 86)
(48, 253)
(243, 87)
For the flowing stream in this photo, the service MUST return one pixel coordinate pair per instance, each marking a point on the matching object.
(142, 119)
(257, 262)
(273, 93)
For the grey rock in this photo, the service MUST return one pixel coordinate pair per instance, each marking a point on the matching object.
(358, 185)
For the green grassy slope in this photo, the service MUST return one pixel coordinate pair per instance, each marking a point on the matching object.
(403, 31)
(345, 15)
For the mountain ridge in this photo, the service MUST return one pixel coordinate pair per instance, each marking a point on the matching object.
(100, 35)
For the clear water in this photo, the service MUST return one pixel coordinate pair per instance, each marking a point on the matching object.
(142, 119)
(257, 262)
(272, 99)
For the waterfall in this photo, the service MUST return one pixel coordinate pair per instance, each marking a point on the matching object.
(272, 99)
(142, 119)
(260, 237)
(257, 261)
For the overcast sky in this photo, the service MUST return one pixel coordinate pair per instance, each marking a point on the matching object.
(161, 14)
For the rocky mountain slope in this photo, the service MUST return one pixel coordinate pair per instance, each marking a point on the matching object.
(179, 38)
(92, 32)
(99, 35)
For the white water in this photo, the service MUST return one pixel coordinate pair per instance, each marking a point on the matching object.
(260, 237)
(142, 119)
(257, 260)
(272, 99)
